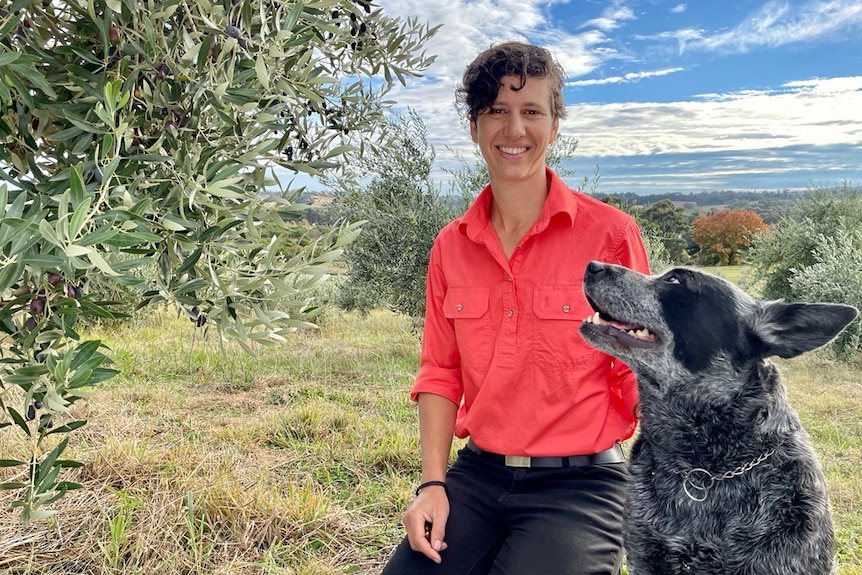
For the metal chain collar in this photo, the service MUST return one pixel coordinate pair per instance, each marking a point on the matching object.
(698, 481)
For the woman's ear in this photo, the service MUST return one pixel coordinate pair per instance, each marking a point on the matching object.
(474, 131)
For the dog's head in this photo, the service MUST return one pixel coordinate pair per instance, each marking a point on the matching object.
(685, 321)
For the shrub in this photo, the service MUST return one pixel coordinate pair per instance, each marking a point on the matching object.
(814, 253)
(402, 210)
(836, 276)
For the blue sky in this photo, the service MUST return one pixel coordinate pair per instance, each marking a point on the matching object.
(671, 96)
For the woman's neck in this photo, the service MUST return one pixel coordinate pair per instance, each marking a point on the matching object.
(514, 210)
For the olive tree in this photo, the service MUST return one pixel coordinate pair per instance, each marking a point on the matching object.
(814, 253)
(403, 210)
(159, 135)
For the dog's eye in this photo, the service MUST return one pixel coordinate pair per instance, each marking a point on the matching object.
(672, 279)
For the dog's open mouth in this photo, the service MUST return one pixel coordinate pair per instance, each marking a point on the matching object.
(629, 334)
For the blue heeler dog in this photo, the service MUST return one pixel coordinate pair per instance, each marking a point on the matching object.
(724, 478)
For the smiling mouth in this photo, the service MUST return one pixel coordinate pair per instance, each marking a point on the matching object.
(628, 334)
(514, 151)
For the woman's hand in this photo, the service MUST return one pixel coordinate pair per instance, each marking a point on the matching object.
(425, 522)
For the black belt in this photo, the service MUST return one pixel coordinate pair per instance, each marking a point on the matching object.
(612, 455)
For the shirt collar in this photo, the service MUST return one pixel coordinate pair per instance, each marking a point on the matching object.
(560, 204)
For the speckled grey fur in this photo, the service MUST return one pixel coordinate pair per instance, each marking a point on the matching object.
(711, 400)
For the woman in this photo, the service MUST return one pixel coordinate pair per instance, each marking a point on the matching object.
(539, 487)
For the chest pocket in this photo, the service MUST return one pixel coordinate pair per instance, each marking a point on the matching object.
(558, 313)
(467, 309)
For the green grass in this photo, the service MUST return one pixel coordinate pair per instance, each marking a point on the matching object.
(736, 274)
(201, 459)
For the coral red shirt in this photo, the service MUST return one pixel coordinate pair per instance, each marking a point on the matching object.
(501, 336)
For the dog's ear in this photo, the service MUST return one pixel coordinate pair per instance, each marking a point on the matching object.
(790, 329)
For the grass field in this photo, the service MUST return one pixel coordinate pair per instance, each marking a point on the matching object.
(201, 459)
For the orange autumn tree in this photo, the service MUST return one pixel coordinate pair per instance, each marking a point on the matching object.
(722, 236)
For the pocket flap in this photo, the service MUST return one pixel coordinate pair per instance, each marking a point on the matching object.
(466, 302)
(565, 302)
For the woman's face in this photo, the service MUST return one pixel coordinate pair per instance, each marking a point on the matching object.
(514, 132)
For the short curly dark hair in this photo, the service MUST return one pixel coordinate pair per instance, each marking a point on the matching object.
(481, 80)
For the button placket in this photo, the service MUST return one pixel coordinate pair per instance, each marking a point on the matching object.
(508, 330)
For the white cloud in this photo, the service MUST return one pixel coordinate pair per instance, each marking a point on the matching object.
(780, 23)
(678, 9)
(811, 113)
(625, 78)
(827, 85)
(611, 18)
(682, 37)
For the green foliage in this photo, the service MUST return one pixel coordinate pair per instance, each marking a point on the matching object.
(655, 240)
(764, 203)
(814, 253)
(659, 256)
(139, 141)
(790, 245)
(835, 276)
(670, 225)
(403, 211)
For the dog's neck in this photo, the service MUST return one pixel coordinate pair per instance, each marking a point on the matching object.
(682, 427)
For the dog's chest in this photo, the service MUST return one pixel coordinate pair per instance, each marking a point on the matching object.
(683, 520)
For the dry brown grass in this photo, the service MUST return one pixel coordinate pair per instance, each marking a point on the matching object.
(201, 459)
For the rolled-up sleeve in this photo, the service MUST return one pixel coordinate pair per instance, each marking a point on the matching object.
(440, 360)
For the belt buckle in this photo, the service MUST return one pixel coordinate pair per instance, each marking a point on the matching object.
(517, 461)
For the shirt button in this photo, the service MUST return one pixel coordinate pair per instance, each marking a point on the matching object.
(566, 309)
(459, 307)
(508, 279)
(511, 313)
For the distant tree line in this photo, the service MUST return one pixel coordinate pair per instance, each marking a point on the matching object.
(714, 198)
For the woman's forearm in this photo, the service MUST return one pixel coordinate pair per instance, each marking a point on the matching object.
(436, 427)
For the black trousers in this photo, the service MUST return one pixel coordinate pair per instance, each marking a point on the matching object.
(515, 521)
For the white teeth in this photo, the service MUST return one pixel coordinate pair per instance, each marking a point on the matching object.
(594, 319)
(643, 334)
(513, 151)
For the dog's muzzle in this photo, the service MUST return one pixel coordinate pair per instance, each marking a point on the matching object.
(606, 457)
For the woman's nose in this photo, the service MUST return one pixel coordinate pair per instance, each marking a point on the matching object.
(514, 124)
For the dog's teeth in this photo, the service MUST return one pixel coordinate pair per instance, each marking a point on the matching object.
(642, 333)
(593, 319)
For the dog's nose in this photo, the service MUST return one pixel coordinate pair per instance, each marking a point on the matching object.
(594, 268)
